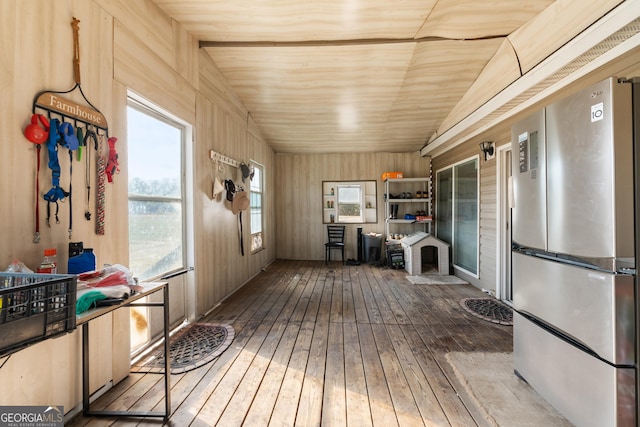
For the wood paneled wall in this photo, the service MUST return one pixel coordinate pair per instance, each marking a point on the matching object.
(300, 231)
(227, 129)
(124, 46)
(37, 50)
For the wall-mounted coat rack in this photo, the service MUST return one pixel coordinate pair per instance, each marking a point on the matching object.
(217, 157)
(53, 103)
(76, 119)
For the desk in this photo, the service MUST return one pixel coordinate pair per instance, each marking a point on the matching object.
(83, 320)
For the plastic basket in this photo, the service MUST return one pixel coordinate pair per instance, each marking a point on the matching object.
(34, 307)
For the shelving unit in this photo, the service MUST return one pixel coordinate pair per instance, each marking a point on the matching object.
(328, 205)
(413, 197)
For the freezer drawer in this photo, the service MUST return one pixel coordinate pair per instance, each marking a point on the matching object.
(586, 390)
(593, 307)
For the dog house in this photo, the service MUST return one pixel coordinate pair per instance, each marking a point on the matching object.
(422, 249)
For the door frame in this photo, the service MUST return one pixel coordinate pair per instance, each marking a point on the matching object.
(503, 223)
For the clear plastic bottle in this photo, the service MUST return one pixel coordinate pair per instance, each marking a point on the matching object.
(49, 262)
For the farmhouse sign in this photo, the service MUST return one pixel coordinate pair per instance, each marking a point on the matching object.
(68, 108)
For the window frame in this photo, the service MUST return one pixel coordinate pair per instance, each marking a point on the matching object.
(360, 188)
(156, 113)
(256, 166)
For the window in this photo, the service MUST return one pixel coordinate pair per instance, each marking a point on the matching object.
(156, 192)
(350, 200)
(256, 191)
(457, 212)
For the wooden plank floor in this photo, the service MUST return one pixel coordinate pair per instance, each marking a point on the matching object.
(325, 345)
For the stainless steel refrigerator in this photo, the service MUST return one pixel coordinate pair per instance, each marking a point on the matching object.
(573, 255)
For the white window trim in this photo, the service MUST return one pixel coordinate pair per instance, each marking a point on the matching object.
(351, 184)
(262, 190)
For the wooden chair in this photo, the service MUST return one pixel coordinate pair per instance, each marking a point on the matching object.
(336, 241)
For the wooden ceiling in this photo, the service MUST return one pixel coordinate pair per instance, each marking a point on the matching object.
(329, 76)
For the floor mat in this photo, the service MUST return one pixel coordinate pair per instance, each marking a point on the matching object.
(436, 279)
(190, 348)
(489, 309)
(502, 398)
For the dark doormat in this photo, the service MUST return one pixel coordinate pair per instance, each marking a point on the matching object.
(192, 347)
(489, 309)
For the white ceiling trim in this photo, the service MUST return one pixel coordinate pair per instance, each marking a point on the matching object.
(588, 39)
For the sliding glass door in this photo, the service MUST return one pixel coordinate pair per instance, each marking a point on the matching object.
(457, 206)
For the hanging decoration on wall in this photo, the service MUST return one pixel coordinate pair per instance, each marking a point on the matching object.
(90, 135)
(235, 192)
(101, 164)
(56, 193)
(112, 167)
(38, 133)
(54, 104)
(70, 120)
